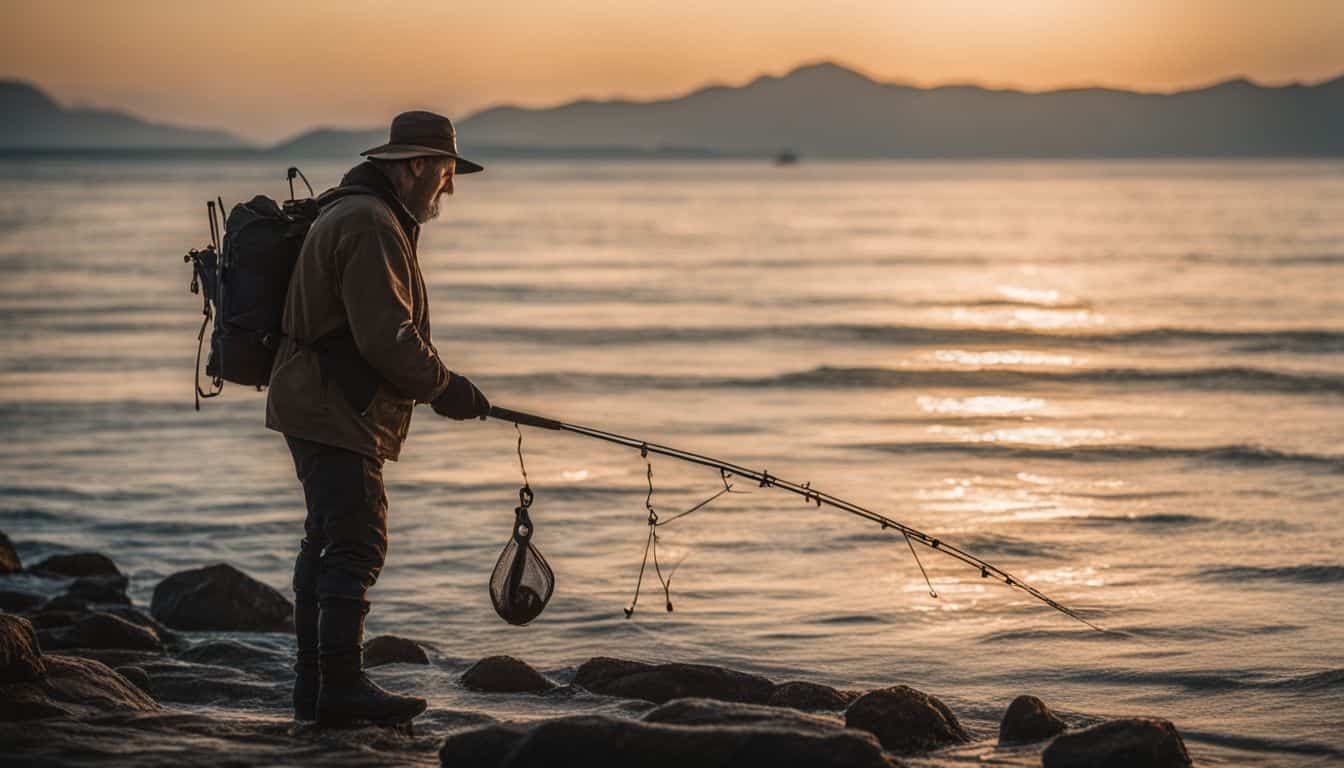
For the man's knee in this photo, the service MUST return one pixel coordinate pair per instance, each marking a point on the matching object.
(308, 567)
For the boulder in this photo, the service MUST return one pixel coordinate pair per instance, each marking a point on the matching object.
(20, 655)
(905, 720)
(140, 619)
(138, 676)
(65, 603)
(9, 558)
(504, 674)
(220, 597)
(227, 652)
(1151, 743)
(711, 712)
(76, 565)
(1028, 719)
(597, 741)
(105, 588)
(46, 618)
(803, 695)
(72, 686)
(183, 682)
(484, 747)
(663, 682)
(390, 649)
(16, 602)
(102, 630)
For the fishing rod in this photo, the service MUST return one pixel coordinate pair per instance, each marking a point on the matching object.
(809, 494)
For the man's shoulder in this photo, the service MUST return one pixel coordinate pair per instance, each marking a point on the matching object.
(354, 212)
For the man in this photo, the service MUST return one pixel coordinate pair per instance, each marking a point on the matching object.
(355, 359)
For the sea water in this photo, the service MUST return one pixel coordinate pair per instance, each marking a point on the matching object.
(1122, 381)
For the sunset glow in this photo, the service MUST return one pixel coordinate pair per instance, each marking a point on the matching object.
(267, 70)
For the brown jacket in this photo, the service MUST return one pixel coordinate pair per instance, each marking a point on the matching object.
(358, 275)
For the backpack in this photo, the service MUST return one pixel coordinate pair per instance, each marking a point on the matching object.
(243, 279)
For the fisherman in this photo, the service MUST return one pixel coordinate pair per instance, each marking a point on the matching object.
(355, 358)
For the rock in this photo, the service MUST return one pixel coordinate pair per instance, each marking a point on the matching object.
(140, 619)
(105, 588)
(182, 682)
(136, 675)
(1028, 719)
(484, 747)
(76, 565)
(9, 559)
(905, 720)
(74, 687)
(172, 738)
(225, 652)
(102, 630)
(389, 649)
(597, 741)
(117, 657)
(504, 674)
(44, 619)
(711, 712)
(220, 597)
(66, 604)
(664, 682)
(20, 655)
(802, 695)
(16, 602)
(1150, 743)
(48, 618)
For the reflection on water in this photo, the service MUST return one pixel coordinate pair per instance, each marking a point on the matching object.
(980, 405)
(1010, 357)
(1121, 381)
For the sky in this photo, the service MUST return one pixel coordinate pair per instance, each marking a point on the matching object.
(267, 69)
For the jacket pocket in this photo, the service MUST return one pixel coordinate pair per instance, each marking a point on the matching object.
(389, 416)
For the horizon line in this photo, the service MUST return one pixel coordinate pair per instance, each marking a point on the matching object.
(709, 85)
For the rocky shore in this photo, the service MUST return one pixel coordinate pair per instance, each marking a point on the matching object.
(86, 676)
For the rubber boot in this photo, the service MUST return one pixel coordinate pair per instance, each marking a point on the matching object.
(346, 694)
(306, 668)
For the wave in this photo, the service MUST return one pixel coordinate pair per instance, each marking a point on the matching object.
(985, 545)
(1158, 519)
(1240, 455)
(1322, 573)
(1307, 341)
(1218, 680)
(1238, 379)
(1262, 744)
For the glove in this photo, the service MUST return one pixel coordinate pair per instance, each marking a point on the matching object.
(461, 400)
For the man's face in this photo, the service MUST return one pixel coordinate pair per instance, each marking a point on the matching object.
(432, 179)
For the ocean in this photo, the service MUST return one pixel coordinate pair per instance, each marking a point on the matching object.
(1121, 380)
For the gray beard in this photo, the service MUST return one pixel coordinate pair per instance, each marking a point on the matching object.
(427, 212)
(421, 205)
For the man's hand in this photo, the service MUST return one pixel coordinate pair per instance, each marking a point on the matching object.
(461, 400)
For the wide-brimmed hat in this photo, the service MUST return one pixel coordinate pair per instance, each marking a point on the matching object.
(422, 134)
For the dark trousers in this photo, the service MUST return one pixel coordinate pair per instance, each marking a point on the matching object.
(345, 533)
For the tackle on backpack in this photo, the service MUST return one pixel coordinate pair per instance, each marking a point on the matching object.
(243, 279)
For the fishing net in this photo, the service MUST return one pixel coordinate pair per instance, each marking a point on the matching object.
(522, 582)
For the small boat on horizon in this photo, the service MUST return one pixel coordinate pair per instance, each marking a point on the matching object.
(786, 157)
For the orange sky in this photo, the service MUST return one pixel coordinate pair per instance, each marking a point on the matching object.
(268, 68)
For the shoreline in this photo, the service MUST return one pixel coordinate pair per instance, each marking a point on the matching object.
(101, 680)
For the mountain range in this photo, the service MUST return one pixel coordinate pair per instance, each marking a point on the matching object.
(30, 119)
(820, 110)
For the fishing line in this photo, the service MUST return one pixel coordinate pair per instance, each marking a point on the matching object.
(809, 494)
(932, 592)
(521, 465)
(651, 542)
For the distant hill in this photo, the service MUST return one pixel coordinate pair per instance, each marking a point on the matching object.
(828, 110)
(331, 142)
(30, 119)
(819, 110)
